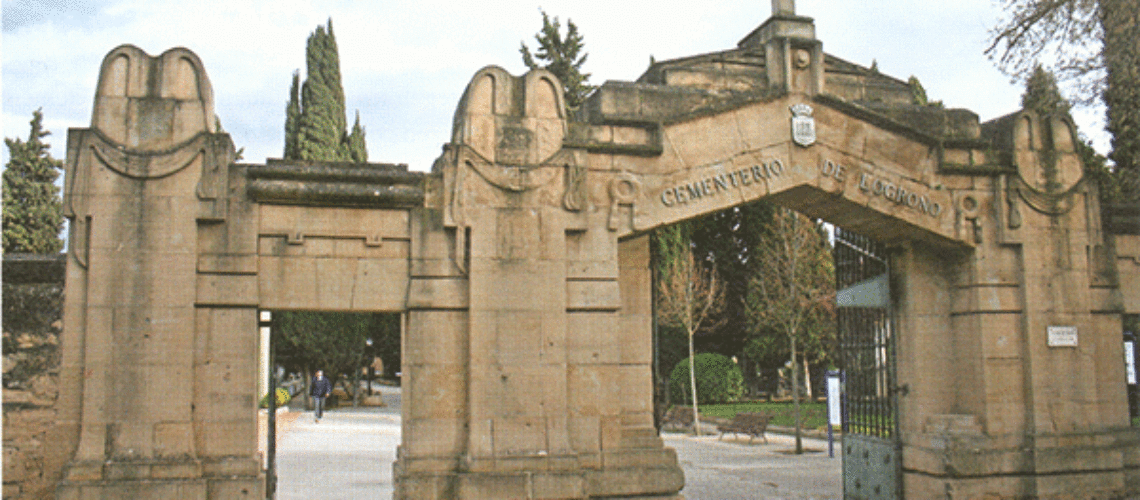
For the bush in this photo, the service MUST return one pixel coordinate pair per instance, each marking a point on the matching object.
(719, 380)
(282, 398)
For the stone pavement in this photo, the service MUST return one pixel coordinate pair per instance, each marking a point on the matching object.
(349, 455)
(735, 469)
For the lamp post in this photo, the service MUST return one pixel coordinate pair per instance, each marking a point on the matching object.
(265, 323)
(371, 357)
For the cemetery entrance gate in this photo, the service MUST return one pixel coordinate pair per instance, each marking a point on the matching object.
(521, 262)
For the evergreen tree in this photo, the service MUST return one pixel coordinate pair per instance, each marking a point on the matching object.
(1121, 22)
(315, 128)
(322, 123)
(356, 149)
(293, 119)
(561, 57)
(33, 210)
(334, 342)
(1042, 94)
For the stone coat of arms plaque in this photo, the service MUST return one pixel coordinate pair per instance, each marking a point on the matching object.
(803, 125)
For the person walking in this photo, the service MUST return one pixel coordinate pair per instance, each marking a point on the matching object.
(319, 390)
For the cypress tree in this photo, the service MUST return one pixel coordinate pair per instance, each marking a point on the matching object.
(315, 124)
(33, 210)
(293, 119)
(356, 149)
(322, 100)
(315, 130)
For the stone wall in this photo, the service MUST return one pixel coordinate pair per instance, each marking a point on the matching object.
(33, 295)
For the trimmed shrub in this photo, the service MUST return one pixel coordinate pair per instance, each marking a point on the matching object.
(719, 380)
(283, 398)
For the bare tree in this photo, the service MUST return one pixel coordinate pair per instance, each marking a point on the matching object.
(1091, 46)
(689, 294)
(794, 284)
(1064, 35)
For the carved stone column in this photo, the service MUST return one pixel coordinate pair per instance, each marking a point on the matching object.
(540, 385)
(138, 183)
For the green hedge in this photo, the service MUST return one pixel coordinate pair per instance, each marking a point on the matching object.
(783, 414)
(719, 380)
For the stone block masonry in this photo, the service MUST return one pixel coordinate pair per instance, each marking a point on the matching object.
(521, 265)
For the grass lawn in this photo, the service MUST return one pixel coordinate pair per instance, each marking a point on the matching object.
(814, 414)
(783, 413)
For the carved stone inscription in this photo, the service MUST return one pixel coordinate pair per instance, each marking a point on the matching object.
(717, 183)
(877, 185)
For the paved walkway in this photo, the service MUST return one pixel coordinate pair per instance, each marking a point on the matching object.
(735, 469)
(349, 455)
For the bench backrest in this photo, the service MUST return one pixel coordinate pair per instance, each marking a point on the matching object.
(749, 420)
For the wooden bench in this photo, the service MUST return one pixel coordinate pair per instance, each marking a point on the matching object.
(753, 424)
(678, 416)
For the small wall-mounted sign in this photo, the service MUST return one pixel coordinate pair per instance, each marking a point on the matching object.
(1130, 362)
(1062, 336)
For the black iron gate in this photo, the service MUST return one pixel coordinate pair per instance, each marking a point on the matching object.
(871, 447)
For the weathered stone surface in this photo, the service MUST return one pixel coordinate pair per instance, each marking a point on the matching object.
(522, 265)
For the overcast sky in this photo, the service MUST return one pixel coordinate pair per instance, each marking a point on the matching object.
(405, 63)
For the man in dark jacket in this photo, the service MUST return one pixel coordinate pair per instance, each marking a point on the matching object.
(319, 390)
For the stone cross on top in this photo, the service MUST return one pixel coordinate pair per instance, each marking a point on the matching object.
(783, 7)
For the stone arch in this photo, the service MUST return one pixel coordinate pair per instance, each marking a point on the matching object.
(836, 174)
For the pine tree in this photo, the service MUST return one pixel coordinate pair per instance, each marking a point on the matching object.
(315, 125)
(560, 55)
(33, 210)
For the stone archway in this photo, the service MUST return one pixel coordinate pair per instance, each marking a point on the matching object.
(522, 264)
(532, 199)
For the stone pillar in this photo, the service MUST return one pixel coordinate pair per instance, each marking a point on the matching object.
(434, 362)
(1012, 350)
(138, 184)
(528, 351)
